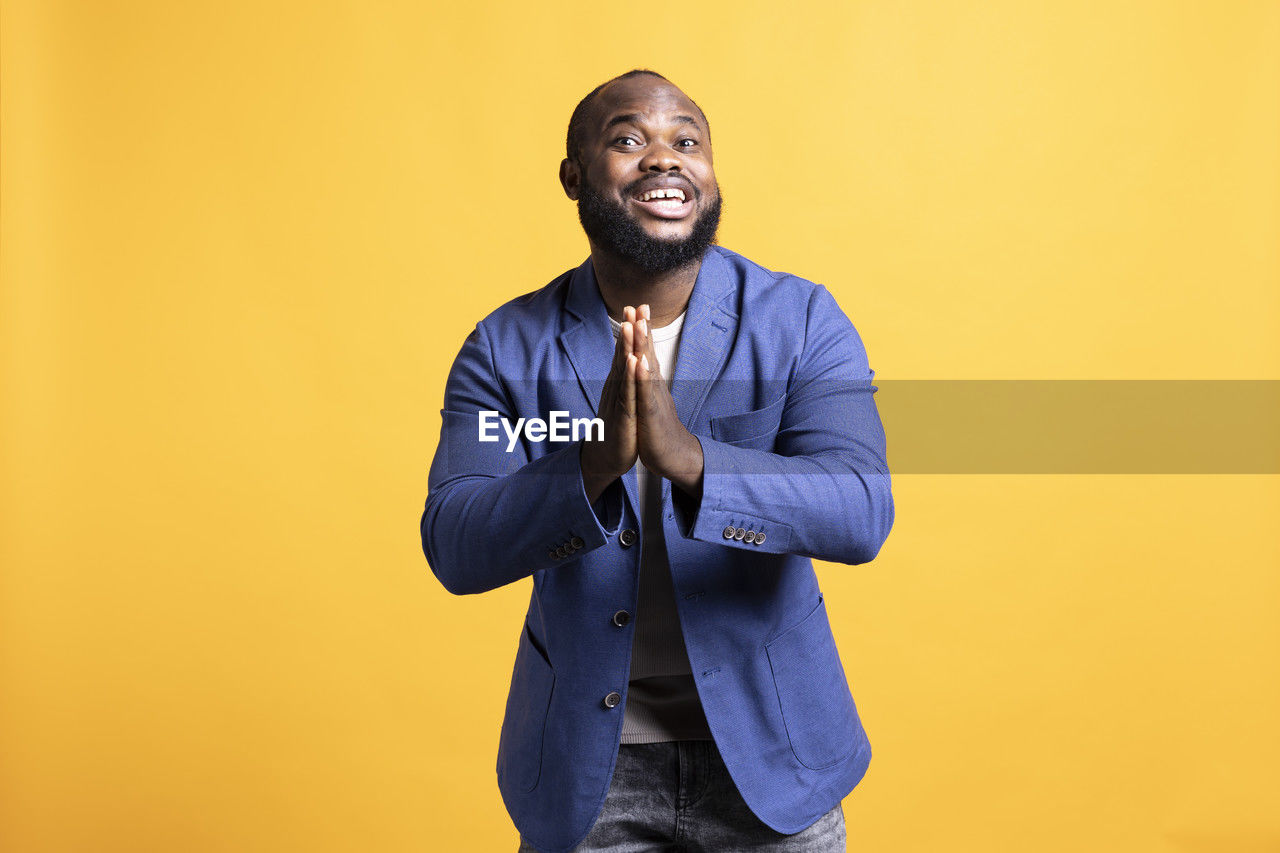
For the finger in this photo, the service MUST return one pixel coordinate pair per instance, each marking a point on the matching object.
(617, 370)
(648, 395)
(655, 368)
(644, 311)
(621, 349)
(639, 389)
(629, 386)
(629, 317)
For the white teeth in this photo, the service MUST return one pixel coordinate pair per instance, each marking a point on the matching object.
(666, 193)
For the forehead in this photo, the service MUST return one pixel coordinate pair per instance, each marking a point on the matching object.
(651, 98)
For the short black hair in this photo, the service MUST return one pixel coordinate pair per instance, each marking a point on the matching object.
(578, 121)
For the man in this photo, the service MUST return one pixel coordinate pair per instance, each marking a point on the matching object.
(676, 684)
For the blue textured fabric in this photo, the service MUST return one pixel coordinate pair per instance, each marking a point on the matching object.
(773, 380)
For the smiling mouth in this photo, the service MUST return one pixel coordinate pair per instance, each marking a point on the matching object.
(664, 202)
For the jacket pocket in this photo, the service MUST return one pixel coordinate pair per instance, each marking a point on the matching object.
(756, 428)
(520, 744)
(817, 707)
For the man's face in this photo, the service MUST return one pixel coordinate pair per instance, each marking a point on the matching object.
(644, 182)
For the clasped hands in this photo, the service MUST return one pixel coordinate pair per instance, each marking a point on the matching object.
(640, 419)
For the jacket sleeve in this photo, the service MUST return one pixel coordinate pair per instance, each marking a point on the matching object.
(493, 516)
(823, 491)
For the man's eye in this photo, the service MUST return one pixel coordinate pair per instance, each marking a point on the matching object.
(625, 141)
(687, 143)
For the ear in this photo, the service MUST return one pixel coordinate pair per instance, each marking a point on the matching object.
(570, 178)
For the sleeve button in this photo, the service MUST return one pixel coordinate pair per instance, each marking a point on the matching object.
(729, 531)
(577, 542)
(750, 537)
(760, 538)
(740, 533)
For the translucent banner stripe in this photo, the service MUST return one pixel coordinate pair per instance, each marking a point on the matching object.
(975, 426)
(1082, 426)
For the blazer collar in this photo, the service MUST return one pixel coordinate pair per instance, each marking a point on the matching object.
(713, 286)
(708, 324)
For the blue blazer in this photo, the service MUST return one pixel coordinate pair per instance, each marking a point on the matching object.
(773, 380)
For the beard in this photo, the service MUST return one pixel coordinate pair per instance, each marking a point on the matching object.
(610, 227)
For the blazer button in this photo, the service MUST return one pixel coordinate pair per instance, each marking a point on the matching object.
(750, 537)
(729, 531)
(577, 542)
(760, 538)
(612, 700)
(627, 538)
(621, 618)
(740, 533)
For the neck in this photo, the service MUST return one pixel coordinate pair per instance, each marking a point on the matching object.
(622, 284)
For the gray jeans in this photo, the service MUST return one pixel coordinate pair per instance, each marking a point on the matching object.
(678, 797)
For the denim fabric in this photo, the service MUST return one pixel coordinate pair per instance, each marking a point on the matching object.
(677, 797)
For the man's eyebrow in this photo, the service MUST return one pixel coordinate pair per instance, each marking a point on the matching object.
(634, 118)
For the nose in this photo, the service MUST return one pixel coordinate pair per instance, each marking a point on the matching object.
(660, 158)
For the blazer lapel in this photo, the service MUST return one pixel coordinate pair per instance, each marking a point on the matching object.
(589, 342)
(709, 323)
(589, 345)
(708, 328)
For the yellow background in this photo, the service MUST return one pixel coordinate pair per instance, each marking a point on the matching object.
(242, 242)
